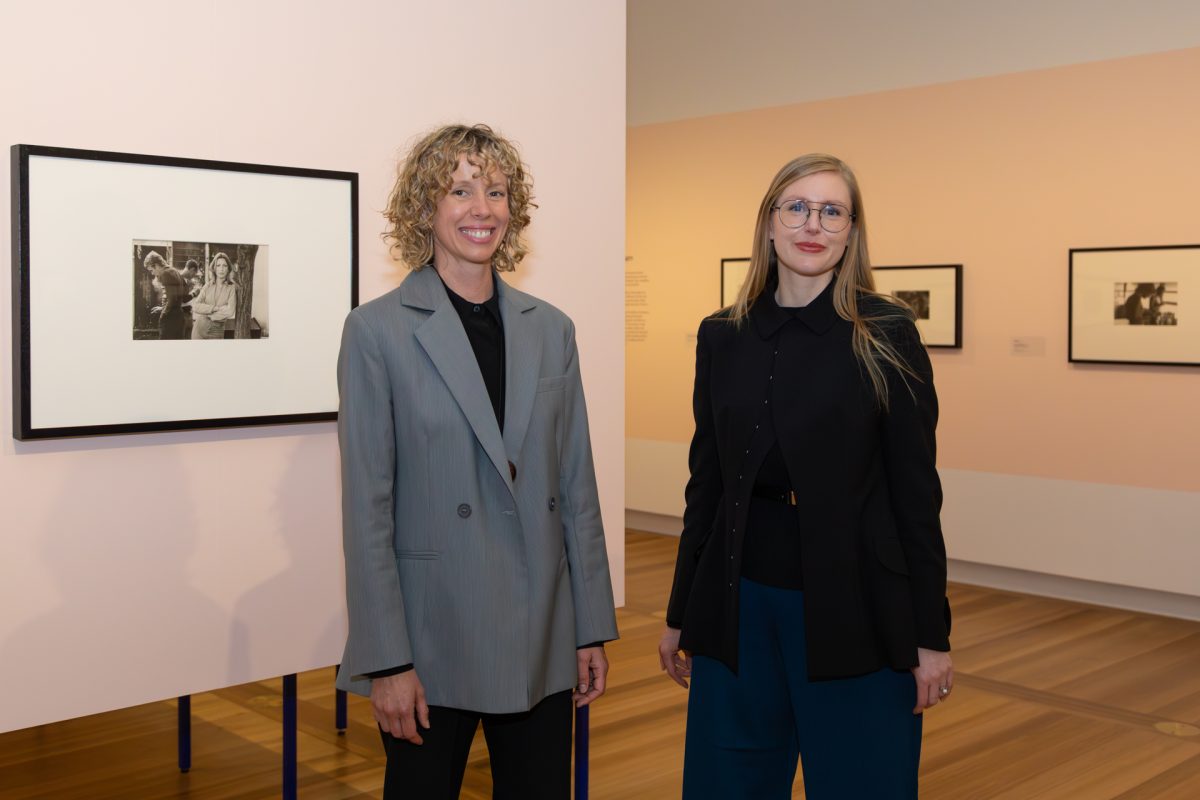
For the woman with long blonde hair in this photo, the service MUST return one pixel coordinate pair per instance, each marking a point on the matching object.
(216, 302)
(809, 601)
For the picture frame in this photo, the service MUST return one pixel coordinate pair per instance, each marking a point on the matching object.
(1127, 305)
(733, 275)
(155, 293)
(934, 292)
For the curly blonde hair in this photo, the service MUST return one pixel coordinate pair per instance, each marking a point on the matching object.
(424, 178)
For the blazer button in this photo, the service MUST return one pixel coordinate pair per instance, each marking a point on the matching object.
(553, 504)
(464, 511)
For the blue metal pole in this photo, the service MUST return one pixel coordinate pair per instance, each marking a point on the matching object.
(339, 706)
(185, 732)
(289, 737)
(581, 753)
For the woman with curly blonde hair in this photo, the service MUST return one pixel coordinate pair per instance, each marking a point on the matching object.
(476, 572)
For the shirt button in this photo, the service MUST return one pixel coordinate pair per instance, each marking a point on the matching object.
(476, 309)
(464, 511)
(553, 504)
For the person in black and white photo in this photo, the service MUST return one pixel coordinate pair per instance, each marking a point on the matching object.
(216, 302)
(172, 294)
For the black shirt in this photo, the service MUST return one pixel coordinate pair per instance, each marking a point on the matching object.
(771, 551)
(485, 332)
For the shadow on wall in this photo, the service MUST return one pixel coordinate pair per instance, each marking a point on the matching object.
(265, 630)
(127, 628)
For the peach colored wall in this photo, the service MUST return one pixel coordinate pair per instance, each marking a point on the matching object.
(136, 568)
(1001, 174)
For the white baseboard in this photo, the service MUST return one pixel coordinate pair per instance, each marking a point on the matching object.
(653, 523)
(1128, 598)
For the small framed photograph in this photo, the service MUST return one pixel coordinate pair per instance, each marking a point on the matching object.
(934, 293)
(154, 293)
(1129, 305)
(733, 275)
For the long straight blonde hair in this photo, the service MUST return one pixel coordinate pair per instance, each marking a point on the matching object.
(852, 278)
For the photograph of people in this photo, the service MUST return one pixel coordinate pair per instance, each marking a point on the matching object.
(809, 605)
(216, 301)
(477, 578)
(172, 292)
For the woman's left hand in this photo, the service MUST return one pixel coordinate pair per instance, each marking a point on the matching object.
(935, 678)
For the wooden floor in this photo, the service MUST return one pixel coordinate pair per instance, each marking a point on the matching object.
(1053, 700)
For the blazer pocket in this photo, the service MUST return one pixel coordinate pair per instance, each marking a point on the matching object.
(417, 555)
(552, 383)
(891, 555)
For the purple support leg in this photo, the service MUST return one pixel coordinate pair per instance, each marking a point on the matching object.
(289, 737)
(339, 706)
(185, 732)
(581, 753)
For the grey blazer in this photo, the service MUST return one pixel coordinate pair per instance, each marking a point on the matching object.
(486, 583)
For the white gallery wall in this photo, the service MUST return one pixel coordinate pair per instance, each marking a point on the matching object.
(137, 568)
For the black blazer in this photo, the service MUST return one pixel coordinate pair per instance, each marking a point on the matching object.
(868, 494)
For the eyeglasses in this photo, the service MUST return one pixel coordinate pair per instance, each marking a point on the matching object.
(834, 217)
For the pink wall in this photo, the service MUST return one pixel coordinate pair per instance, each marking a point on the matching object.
(175, 563)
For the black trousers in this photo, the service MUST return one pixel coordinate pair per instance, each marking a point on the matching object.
(530, 754)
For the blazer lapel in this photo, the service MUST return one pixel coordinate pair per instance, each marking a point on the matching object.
(445, 342)
(522, 363)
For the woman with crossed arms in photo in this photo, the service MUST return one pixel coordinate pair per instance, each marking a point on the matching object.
(216, 302)
(809, 601)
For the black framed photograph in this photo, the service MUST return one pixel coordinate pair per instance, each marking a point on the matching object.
(153, 293)
(1128, 305)
(733, 275)
(934, 293)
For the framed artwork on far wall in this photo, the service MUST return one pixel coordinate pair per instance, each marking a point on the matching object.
(733, 275)
(934, 293)
(1128, 305)
(153, 293)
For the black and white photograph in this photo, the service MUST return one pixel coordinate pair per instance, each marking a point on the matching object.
(916, 299)
(1146, 303)
(199, 290)
(1127, 305)
(934, 293)
(119, 257)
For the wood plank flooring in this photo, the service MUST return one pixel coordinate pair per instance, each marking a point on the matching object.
(1054, 700)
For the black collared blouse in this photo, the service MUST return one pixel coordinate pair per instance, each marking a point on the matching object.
(867, 490)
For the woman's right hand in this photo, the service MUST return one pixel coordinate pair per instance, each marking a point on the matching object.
(676, 662)
(398, 703)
